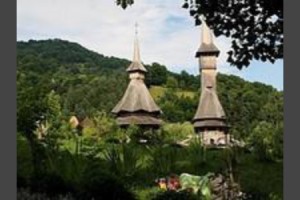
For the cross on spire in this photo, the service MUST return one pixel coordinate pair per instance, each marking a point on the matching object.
(136, 54)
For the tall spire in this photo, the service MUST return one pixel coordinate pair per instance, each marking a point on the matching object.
(137, 105)
(209, 120)
(206, 34)
(136, 64)
(207, 45)
(136, 54)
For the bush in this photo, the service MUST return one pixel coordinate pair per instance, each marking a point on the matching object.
(50, 184)
(24, 161)
(102, 186)
(172, 195)
(176, 132)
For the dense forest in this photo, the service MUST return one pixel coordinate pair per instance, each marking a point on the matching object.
(58, 79)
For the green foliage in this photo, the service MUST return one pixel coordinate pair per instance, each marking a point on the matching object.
(198, 184)
(196, 156)
(53, 106)
(176, 132)
(124, 160)
(187, 81)
(101, 125)
(171, 82)
(163, 159)
(254, 180)
(267, 141)
(24, 161)
(157, 74)
(177, 109)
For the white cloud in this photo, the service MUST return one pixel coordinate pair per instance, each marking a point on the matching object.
(166, 31)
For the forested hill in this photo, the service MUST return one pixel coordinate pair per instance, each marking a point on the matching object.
(85, 82)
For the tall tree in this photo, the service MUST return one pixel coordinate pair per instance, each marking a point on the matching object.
(157, 74)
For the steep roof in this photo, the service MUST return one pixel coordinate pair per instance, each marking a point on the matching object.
(136, 98)
(209, 106)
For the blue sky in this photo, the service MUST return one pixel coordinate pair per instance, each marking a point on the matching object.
(166, 31)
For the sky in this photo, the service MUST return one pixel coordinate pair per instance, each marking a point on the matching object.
(166, 31)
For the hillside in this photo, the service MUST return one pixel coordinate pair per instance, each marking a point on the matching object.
(87, 82)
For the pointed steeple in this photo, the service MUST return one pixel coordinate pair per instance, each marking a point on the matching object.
(206, 34)
(137, 105)
(136, 53)
(209, 119)
(207, 46)
(136, 64)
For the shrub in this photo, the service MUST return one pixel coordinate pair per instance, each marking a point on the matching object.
(177, 131)
(172, 195)
(24, 161)
(102, 186)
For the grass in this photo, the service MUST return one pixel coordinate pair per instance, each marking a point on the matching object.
(158, 91)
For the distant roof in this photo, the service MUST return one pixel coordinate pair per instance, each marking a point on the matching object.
(136, 98)
(74, 122)
(77, 122)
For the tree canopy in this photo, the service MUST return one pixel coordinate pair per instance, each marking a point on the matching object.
(254, 26)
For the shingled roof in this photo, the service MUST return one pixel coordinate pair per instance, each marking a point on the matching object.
(209, 106)
(136, 98)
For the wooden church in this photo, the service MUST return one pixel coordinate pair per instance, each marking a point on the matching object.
(137, 105)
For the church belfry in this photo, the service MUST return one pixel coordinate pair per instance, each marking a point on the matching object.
(137, 105)
(209, 121)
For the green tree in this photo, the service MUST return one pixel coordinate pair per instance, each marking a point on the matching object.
(172, 82)
(157, 74)
(54, 110)
(267, 141)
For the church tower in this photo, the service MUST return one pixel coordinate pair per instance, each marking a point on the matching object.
(137, 105)
(209, 121)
